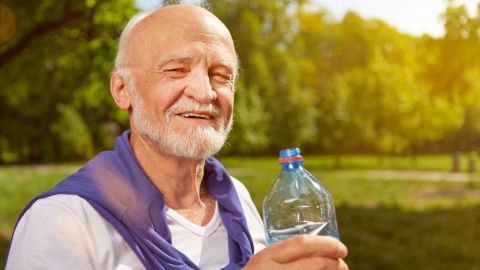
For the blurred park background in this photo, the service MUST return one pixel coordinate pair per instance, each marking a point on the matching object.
(388, 121)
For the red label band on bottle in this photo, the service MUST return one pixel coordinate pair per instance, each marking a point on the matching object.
(291, 159)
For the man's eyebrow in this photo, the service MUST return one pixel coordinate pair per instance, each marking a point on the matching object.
(220, 62)
(223, 68)
(172, 59)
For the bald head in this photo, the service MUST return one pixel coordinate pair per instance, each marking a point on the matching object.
(152, 33)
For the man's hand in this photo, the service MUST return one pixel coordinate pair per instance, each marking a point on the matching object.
(301, 252)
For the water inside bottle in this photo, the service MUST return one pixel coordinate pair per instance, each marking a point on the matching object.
(297, 203)
(313, 228)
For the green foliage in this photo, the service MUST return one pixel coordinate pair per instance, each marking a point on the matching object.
(62, 53)
(265, 42)
(73, 133)
(384, 106)
(347, 86)
(250, 134)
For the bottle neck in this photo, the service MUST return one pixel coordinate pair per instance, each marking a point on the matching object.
(292, 166)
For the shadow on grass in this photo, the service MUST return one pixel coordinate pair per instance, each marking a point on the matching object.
(392, 238)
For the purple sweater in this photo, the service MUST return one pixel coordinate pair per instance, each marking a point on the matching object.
(115, 185)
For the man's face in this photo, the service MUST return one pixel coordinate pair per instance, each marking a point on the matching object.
(182, 88)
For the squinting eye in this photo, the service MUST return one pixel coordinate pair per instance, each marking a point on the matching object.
(183, 70)
(221, 77)
(176, 73)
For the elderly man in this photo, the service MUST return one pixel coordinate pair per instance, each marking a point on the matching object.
(159, 200)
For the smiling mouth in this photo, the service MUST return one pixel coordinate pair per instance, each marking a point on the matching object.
(196, 116)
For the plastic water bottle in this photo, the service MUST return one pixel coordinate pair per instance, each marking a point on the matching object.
(297, 203)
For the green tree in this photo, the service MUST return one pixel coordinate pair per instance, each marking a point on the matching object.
(72, 131)
(305, 80)
(450, 70)
(383, 108)
(62, 53)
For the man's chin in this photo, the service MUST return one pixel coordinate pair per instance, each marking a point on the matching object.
(186, 141)
(202, 149)
(192, 147)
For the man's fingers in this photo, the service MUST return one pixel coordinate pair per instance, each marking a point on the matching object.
(316, 263)
(302, 252)
(343, 265)
(303, 246)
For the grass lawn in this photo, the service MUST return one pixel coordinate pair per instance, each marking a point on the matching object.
(394, 222)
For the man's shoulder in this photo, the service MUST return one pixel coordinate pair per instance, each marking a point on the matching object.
(71, 233)
(68, 206)
(62, 201)
(67, 213)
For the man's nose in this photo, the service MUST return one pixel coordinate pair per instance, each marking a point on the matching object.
(200, 88)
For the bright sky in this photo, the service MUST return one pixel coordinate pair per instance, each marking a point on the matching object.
(410, 16)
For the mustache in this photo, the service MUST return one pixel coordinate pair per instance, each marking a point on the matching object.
(193, 106)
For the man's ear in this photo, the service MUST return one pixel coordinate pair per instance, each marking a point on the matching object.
(119, 91)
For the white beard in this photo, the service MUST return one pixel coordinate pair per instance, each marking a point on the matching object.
(191, 142)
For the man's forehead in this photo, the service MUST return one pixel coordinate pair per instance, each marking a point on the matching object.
(215, 53)
(184, 18)
(168, 31)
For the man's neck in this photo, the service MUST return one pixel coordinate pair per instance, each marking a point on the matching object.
(179, 179)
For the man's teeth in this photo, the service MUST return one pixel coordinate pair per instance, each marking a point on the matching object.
(193, 115)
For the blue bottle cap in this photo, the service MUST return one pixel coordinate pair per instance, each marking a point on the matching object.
(290, 152)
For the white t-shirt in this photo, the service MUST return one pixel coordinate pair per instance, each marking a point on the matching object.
(66, 232)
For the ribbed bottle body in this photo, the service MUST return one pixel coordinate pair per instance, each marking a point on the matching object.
(298, 204)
